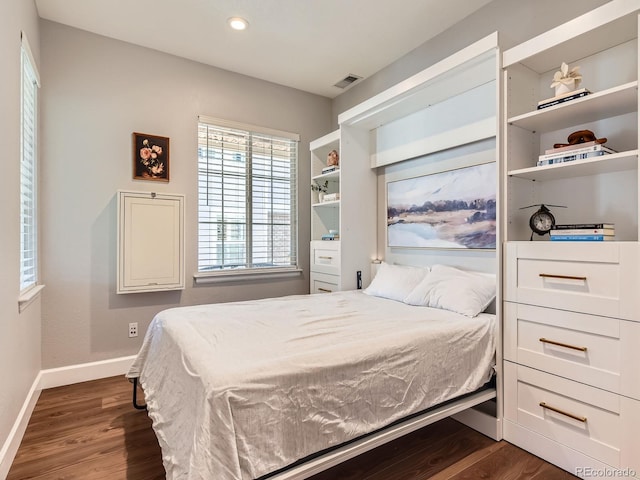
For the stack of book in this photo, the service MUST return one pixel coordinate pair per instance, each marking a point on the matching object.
(570, 153)
(566, 97)
(332, 168)
(330, 236)
(583, 232)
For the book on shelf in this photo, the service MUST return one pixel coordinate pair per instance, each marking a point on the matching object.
(572, 147)
(573, 226)
(330, 236)
(570, 158)
(567, 97)
(577, 150)
(584, 231)
(582, 238)
(330, 169)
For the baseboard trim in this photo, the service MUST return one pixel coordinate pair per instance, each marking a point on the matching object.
(84, 372)
(50, 378)
(11, 445)
(486, 424)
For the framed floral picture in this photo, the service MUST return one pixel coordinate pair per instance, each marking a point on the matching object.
(150, 157)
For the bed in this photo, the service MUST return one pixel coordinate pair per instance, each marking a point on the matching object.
(245, 389)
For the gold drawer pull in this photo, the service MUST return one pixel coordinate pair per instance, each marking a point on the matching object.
(560, 344)
(324, 290)
(325, 258)
(561, 412)
(565, 277)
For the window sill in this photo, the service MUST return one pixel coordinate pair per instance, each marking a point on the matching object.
(243, 276)
(28, 297)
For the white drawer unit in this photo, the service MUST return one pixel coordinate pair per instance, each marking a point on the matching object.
(324, 283)
(599, 351)
(572, 350)
(325, 256)
(596, 423)
(587, 277)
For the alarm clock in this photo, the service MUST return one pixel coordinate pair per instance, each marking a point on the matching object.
(542, 221)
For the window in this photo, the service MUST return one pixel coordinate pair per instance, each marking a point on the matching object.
(247, 209)
(28, 171)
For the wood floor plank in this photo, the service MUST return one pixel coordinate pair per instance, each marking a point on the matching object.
(90, 431)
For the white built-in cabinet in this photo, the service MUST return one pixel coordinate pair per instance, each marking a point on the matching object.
(150, 242)
(337, 264)
(572, 309)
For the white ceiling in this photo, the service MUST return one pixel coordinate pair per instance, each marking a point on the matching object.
(305, 44)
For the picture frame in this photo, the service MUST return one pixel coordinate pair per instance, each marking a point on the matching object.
(452, 209)
(150, 157)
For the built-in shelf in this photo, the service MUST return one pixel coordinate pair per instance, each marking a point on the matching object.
(335, 175)
(331, 204)
(607, 103)
(596, 31)
(614, 162)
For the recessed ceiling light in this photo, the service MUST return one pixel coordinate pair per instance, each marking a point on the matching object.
(238, 23)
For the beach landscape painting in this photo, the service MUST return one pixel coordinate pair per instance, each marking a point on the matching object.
(451, 209)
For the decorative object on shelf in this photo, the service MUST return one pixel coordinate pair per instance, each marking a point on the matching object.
(565, 97)
(321, 188)
(565, 80)
(579, 137)
(542, 220)
(454, 209)
(150, 157)
(331, 197)
(333, 159)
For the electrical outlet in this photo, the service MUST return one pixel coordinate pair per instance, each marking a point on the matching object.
(133, 329)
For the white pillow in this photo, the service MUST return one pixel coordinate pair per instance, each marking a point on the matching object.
(395, 282)
(450, 288)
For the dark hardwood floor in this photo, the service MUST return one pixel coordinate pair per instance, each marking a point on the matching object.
(90, 431)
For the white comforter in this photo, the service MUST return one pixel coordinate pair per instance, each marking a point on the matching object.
(238, 390)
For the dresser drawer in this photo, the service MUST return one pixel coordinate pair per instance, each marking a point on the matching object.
(596, 423)
(324, 283)
(591, 278)
(325, 257)
(595, 350)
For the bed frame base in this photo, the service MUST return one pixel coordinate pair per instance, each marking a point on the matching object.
(341, 454)
(134, 381)
(458, 409)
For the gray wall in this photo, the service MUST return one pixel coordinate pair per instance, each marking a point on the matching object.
(515, 20)
(96, 92)
(19, 332)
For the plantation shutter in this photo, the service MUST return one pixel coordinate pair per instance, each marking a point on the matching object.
(247, 203)
(28, 170)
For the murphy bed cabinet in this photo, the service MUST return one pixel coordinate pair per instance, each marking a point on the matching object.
(572, 309)
(442, 118)
(150, 242)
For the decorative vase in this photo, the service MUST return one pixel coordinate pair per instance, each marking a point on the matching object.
(320, 197)
(565, 88)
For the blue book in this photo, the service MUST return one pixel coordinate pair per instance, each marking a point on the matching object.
(581, 238)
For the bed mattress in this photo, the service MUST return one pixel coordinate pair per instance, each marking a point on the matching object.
(238, 390)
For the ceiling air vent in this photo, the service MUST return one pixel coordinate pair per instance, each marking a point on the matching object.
(348, 80)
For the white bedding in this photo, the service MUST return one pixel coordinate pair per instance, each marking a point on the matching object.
(238, 390)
